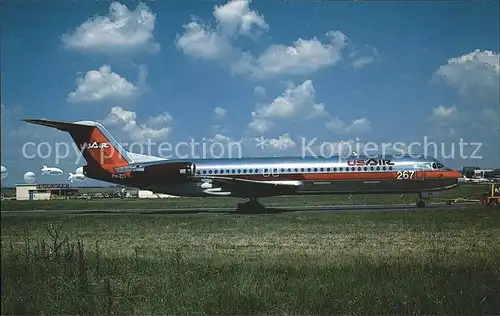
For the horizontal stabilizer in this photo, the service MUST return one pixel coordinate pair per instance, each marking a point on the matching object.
(97, 145)
(63, 126)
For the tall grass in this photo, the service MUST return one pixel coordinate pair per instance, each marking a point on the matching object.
(421, 263)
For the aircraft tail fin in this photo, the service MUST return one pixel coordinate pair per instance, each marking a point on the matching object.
(96, 144)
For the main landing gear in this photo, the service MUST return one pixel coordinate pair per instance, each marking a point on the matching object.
(251, 206)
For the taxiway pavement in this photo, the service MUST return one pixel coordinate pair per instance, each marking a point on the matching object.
(233, 211)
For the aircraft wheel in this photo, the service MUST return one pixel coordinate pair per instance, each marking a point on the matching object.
(421, 204)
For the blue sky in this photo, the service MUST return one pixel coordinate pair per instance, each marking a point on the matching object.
(229, 72)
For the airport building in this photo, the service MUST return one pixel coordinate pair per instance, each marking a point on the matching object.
(145, 194)
(26, 192)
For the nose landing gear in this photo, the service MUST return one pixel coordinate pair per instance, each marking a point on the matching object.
(421, 202)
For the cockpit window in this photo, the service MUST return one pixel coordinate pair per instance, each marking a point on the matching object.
(440, 166)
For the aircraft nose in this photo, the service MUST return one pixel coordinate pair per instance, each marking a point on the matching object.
(461, 178)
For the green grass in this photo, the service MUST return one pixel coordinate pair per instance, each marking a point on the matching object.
(419, 262)
(473, 191)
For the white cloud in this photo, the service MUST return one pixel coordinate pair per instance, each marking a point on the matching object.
(443, 113)
(156, 128)
(122, 30)
(160, 120)
(491, 119)
(304, 56)
(298, 102)
(359, 62)
(102, 84)
(202, 42)
(260, 126)
(234, 18)
(362, 61)
(477, 69)
(259, 91)
(443, 119)
(219, 138)
(356, 126)
(220, 112)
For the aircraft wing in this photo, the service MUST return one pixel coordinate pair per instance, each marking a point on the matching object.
(252, 187)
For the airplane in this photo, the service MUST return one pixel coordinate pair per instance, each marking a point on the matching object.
(51, 170)
(76, 177)
(254, 178)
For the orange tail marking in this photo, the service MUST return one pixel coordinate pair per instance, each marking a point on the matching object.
(103, 151)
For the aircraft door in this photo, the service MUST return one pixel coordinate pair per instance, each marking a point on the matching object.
(420, 173)
(189, 170)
